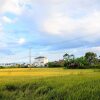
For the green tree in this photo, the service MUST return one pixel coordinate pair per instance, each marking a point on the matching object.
(81, 62)
(54, 64)
(72, 57)
(90, 57)
(68, 60)
(66, 56)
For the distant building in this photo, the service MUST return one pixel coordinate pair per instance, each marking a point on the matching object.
(7, 64)
(40, 61)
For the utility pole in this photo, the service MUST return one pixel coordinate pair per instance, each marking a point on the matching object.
(30, 57)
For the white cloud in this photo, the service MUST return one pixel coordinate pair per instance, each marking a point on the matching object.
(91, 23)
(69, 18)
(1, 31)
(13, 6)
(21, 41)
(57, 23)
(60, 24)
(10, 6)
(6, 19)
(0, 27)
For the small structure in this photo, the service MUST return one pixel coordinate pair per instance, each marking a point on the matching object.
(7, 64)
(40, 61)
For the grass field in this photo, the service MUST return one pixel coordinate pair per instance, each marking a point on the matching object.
(49, 84)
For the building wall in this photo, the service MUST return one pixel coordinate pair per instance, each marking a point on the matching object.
(40, 62)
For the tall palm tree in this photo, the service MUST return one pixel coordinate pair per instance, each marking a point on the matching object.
(72, 56)
(66, 56)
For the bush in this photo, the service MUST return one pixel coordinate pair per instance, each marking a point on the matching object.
(54, 64)
(1, 67)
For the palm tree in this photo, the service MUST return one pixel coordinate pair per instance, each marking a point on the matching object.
(72, 57)
(66, 56)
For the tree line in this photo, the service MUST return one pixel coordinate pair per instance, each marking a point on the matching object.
(89, 60)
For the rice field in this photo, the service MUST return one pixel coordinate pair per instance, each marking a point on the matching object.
(49, 84)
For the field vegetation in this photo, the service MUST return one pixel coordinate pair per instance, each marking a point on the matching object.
(49, 84)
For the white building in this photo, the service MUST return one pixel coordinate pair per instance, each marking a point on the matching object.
(40, 61)
(7, 64)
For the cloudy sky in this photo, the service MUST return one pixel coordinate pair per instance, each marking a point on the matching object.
(49, 27)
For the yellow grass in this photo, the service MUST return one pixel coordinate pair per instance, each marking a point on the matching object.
(48, 83)
(41, 72)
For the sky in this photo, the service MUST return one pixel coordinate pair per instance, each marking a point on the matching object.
(50, 27)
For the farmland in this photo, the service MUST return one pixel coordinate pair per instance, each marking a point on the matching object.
(49, 84)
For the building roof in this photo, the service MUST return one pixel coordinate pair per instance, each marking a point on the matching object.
(40, 57)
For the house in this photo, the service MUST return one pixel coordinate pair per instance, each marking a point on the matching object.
(40, 61)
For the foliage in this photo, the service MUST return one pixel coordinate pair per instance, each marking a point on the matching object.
(68, 57)
(1, 67)
(55, 64)
(90, 60)
(91, 57)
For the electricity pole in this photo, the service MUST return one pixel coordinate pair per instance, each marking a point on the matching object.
(30, 57)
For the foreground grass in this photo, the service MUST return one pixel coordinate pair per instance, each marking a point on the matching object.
(49, 84)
